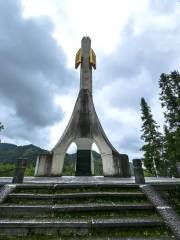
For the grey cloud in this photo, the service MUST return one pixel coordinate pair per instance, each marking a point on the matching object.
(32, 70)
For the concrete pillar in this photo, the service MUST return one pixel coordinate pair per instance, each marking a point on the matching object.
(20, 170)
(43, 165)
(138, 171)
(106, 155)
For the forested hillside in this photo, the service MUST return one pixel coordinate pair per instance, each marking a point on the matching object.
(10, 152)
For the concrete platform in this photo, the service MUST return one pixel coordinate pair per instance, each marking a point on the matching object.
(93, 179)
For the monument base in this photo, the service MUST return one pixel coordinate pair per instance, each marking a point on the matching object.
(83, 166)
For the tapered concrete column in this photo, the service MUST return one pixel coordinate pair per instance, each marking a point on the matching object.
(59, 153)
(106, 155)
(43, 165)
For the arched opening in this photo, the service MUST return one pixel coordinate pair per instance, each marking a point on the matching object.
(97, 160)
(70, 160)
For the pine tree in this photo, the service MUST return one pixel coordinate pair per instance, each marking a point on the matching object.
(1, 126)
(152, 137)
(170, 101)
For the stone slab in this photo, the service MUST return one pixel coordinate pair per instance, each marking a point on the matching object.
(93, 179)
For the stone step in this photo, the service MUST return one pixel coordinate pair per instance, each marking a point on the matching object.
(100, 223)
(75, 195)
(101, 206)
(78, 184)
(124, 238)
(81, 207)
(75, 227)
(119, 238)
(13, 209)
(92, 238)
(75, 187)
(127, 222)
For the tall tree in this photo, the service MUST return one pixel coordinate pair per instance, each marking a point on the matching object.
(152, 137)
(1, 126)
(170, 100)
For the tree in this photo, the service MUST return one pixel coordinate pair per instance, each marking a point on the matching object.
(1, 126)
(170, 100)
(153, 140)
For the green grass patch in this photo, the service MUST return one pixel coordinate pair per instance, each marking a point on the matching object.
(95, 188)
(8, 170)
(107, 214)
(88, 215)
(99, 199)
(131, 232)
(75, 189)
(104, 233)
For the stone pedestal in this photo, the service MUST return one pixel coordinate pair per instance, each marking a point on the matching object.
(20, 170)
(121, 165)
(43, 165)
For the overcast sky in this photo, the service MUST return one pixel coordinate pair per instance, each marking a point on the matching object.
(134, 41)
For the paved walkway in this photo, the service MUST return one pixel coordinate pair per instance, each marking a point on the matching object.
(94, 179)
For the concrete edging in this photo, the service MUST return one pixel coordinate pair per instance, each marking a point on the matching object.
(5, 191)
(170, 217)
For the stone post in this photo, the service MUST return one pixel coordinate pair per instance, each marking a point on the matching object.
(20, 170)
(138, 171)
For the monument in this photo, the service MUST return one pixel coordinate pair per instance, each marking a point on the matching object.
(84, 129)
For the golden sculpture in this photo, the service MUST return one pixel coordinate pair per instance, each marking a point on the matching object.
(92, 58)
(78, 59)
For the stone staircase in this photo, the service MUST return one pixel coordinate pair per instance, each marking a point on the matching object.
(80, 211)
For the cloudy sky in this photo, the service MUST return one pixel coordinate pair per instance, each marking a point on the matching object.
(135, 41)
